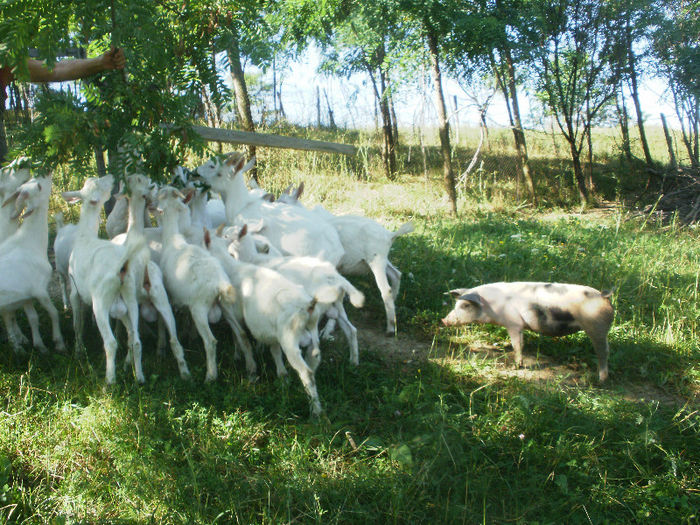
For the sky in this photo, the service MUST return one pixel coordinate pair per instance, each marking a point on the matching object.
(352, 100)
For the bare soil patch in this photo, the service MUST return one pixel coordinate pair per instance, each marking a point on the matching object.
(406, 349)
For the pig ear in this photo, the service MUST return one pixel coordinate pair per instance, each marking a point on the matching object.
(457, 292)
(472, 298)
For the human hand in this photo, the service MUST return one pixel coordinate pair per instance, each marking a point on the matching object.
(113, 59)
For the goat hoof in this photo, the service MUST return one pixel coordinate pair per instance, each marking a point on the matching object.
(391, 333)
(316, 411)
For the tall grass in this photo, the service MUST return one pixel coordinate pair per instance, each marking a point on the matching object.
(440, 435)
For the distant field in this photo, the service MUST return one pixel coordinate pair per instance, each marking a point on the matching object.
(434, 426)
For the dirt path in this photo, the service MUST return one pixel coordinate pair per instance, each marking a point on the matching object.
(538, 369)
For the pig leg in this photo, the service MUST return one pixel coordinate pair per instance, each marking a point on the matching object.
(600, 344)
(516, 339)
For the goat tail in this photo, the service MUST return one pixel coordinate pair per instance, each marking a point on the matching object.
(135, 242)
(227, 293)
(328, 294)
(404, 229)
(357, 298)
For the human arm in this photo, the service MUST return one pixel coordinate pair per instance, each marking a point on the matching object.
(74, 69)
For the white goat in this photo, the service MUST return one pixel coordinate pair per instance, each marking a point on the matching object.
(292, 229)
(147, 276)
(118, 219)
(62, 248)
(12, 177)
(196, 280)
(279, 312)
(99, 275)
(366, 245)
(25, 270)
(310, 272)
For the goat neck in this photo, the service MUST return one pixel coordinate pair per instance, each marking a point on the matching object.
(34, 231)
(236, 196)
(137, 207)
(89, 222)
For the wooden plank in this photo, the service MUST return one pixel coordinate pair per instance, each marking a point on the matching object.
(271, 141)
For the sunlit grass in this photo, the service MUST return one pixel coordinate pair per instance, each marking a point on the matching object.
(441, 437)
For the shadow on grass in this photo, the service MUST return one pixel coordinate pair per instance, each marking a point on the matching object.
(403, 442)
(491, 248)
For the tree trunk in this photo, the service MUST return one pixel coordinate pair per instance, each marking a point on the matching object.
(589, 172)
(100, 162)
(578, 171)
(331, 119)
(381, 105)
(456, 121)
(669, 143)
(3, 134)
(518, 133)
(394, 122)
(448, 174)
(624, 126)
(387, 130)
(242, 99)
(637, 106)
(318, 107)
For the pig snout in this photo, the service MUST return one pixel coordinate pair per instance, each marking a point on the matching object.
(452, 319)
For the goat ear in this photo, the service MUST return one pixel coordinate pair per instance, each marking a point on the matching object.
(243, 232)
(299, 191)
(71, 196)
(207, 238)
(11, 199)
(232, 159)
(257, 226)
(247, 167)
(287, 190)
(186, 198)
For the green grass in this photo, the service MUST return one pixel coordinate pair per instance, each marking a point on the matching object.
(446, 439)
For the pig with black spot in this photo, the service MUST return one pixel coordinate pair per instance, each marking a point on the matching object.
(552, 309)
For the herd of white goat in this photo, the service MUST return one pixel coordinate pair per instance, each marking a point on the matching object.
(271, 266)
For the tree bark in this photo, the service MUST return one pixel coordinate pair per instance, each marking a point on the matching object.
(635, 99)
(387, 131)
(669, 143)
(518, 133)
(448, 174)
(394, 122)
(578, 174)
(331, 120)
(242, 99)
(3, 134)
(381, 101)
(624, 126)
